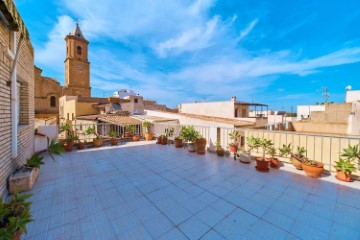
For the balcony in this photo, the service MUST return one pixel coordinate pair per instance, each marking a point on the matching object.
(142, 190)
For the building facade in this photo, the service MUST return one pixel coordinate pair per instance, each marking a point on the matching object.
(16, 93)
(47, 94)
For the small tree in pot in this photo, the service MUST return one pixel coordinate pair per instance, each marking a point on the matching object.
(132, 129)
(190, 135)
(253, 143)
(234, 137)
(69, 138)
(113, 135)
(97, 141)
(262, 163)
(148, 135)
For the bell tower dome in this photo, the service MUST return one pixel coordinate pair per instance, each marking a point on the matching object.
(77, 66)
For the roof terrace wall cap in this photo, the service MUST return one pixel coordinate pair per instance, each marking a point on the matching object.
(250, 104)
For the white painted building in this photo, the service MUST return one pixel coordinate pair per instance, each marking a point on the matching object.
(303, 111)
(352, 96)
(123, 93)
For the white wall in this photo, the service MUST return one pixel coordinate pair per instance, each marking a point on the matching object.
(183, 120)
(306, 109)
(354, 119)
(352, 96)
(225, 109)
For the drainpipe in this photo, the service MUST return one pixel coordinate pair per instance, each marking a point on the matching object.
(14, 99)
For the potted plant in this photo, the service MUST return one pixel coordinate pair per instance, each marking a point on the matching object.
(253, 143)
(344, 168)
(190, 135)
(200, 144)
(220, 151)
(274, 162)
(97, 141)
(113, 140)
(25, 176)
(262, 163)
(128, 131)
(68, 144)
(69, 138)
(312, 168)
(298, 157)
(163, 139)
(352, 153)
(285, 150)
(148, 135)
(233, 146)
(178, 141)
(14, 216)
(158, 140)
(79, 144)
(132, 129)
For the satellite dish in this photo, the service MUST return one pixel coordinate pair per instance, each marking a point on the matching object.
(348, 88)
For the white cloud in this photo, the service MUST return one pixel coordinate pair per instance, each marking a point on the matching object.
(247, 30)
(193, 39)
(52, 53)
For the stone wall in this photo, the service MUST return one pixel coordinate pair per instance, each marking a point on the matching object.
(25, 79)
(46, 89)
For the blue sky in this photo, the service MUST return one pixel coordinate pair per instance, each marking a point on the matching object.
(276, 52)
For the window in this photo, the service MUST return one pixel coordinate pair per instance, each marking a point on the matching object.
(67, 116)
(52, 101)
(72, 116)
(78, 50)
(135, 100)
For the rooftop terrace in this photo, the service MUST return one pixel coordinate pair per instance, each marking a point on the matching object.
(141, 190)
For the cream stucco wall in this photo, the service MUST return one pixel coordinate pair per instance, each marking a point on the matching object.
(305, 110)
(225, 109)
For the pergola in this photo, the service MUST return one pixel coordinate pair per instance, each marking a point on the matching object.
(256, 107)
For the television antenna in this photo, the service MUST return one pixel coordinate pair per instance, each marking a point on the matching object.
(325, 94)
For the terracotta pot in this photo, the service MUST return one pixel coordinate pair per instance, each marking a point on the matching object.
(343, 176)
(296, 162)
(68, 146)
(136, 138)
(164, 141)
(80, 145)
(274, 163)
(262, 164)
(191, 147)
(233, 149)
(200, 145)
(113, 141)
(17, 235)
(158, 140)
(127, 134)
(98, 142)
(178, 143)
(148, 136)
(313, 171)
(220, 152)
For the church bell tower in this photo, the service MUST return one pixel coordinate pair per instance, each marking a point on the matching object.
(77, 66)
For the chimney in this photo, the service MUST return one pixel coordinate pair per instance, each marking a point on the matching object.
(233, 98)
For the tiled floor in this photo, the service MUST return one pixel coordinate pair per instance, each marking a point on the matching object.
(148, 191)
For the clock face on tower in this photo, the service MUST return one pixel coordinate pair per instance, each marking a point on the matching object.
(79, 67)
